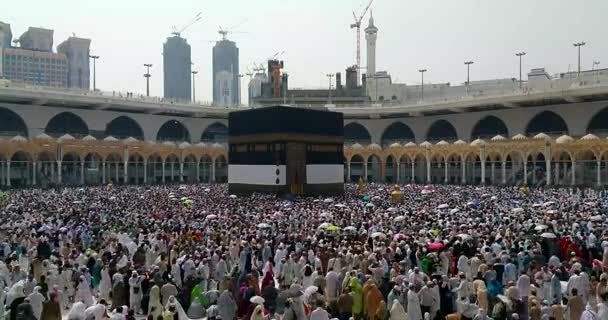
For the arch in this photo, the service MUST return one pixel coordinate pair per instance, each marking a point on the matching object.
(441, 130)
(216, 132)
(11, 124)
(547, 122)
(356, 132)
(599, 123)
(123, 127)
(488, 127)
(397, 132)
(173, 130)
(374, 169)
(390, 170)
(66, 123)
(221, 169)
(205, 168)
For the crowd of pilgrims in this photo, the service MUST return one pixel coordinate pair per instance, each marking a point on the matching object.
(196, 252)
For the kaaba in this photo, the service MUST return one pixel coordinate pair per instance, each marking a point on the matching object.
(284, 150)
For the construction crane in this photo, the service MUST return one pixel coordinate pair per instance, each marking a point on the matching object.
(357, 25)
(177, 32)
(225, 32)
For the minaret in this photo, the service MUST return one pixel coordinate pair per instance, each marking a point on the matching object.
(371, 33)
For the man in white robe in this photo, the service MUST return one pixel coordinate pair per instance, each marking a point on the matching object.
(36, 300)
(413, 305)
(135, 292)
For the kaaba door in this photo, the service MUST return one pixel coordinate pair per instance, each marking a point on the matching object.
(296, 167)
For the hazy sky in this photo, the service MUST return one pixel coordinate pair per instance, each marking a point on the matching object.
(438, 35)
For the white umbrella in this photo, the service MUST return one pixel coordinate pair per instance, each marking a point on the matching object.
(112, 198)
(517, 210)
(233, 196)
(378, 235)
(548, 235)
(211, 217)
(485, 195)
(536, 205)
(551, 211)
(183, 198)
(425, 191)
(339, 205)
(257, 300)
(443, 206)
(324, 225)
(182, 188)
(263, 226)
(369, 205)
(548, 203)
(350, 229)
(310, 291)
(399, 219)
(597, 218)
(391, 209)
(465, 236)
(454, 210)
(470, 203)
(77, 202)
(328, 200)
(325, 215)
(494, 198)
(207, 190)
(540, 227)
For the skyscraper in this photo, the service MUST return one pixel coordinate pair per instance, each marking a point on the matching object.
(177, 67)
(77, 53)
(6, 36)
(226, 80)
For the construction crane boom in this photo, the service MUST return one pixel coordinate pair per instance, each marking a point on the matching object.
(178, 32)
(357, 25)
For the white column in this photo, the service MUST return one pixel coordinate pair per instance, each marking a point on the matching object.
(125, 172)
(445, 169)
(34, 173)
(103, 171)
(181, 171)
(145, 171)
(525, 172)
(2, 172)
(413, 172)
(163, 178)
(599, 173)
(213, 170)
(504, 172)
(172, 171)
(347, 171)
(492, 172)
(398, 172)
(573, 172)
(8, 173)
(428, 170)
(59, 172)
(548, 170)
(483, 170)
(198, 170)
(82, 171)
(464, 170)
(365, 171)
(117, 169)
(557, 177)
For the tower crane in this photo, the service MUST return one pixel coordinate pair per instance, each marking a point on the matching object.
(225, 32)
(177, 32)
(357, 25)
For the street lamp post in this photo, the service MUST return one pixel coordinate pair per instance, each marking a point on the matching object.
(468, 64)
(94, 71)
(147, 76)
(520, 54)
(579, 45)
(597, 73)
(330, 76)
(193, 86)
(422, 71)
